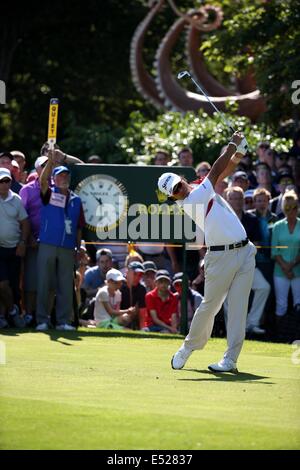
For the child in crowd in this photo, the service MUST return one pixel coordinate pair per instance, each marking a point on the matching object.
(107, 313)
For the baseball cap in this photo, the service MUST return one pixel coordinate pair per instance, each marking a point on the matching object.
(149, 266)
(40, 162)
(104, 252)
(239, 174)
(167, 181)
(178, 277)
(60, 169)
(249, 193)
(15, 164)
(162, 274)
(6, 154)
(114, 275)
(5, 173)
(285, 174)
(17, 153)
(136, 266)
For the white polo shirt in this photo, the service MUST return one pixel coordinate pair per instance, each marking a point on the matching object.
(100, 312)
(12, 212)
(221, 226)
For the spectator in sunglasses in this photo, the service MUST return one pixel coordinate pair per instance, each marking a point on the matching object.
(286, 233)
(202, 169)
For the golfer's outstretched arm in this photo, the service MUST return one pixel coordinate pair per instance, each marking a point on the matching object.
(222, 162)
(229, 170)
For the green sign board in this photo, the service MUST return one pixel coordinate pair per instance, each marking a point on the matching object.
(121, 203)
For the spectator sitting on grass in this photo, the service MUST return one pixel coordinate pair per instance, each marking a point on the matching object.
(149, 275)
(94, 277)
(130, 258)
(133, 292)
(162, 306)
(107, 313)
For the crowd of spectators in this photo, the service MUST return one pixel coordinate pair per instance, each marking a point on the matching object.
(45, 266)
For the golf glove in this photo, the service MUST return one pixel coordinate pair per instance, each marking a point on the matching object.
(242, 147)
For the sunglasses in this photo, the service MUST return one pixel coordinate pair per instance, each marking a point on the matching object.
(292, 207)
(203, 170)
(177, 188)
(5, 180)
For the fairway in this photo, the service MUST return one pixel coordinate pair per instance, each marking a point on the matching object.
(108, 390)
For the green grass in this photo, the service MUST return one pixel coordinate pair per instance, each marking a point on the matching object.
(93, 390)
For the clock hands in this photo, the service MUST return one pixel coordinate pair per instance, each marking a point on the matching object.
(99, 200)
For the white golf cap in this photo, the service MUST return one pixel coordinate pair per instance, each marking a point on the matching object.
(5, 173)
(114, 275)
(40, 161)
(167, 181)
(15, 164)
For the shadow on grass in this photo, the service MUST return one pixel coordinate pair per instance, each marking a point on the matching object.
(226, 377)
(81, 333)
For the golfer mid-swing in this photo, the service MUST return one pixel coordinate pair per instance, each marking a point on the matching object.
(228, 264)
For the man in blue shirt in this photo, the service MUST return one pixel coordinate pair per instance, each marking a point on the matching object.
(95, 276)
(62, 220)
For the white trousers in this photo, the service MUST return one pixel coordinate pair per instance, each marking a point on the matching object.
(227, 273)
(261, 289)
(282, 286)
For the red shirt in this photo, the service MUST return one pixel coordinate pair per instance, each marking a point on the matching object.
(164, 309)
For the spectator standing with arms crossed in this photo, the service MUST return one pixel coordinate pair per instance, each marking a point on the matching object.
(229, 261)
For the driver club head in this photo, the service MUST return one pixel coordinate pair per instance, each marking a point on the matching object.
(183, 74)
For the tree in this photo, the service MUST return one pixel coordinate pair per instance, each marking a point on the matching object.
(265, 36)
(77, 52)
(206, 135)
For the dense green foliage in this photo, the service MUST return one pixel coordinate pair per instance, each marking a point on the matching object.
(265, 36)
(204, 134)
(80, 54)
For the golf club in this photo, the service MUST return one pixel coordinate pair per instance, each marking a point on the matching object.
(185, 73)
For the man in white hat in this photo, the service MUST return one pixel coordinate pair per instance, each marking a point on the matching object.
(229, 261)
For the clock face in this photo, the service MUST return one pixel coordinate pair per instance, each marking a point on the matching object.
(104, 200)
